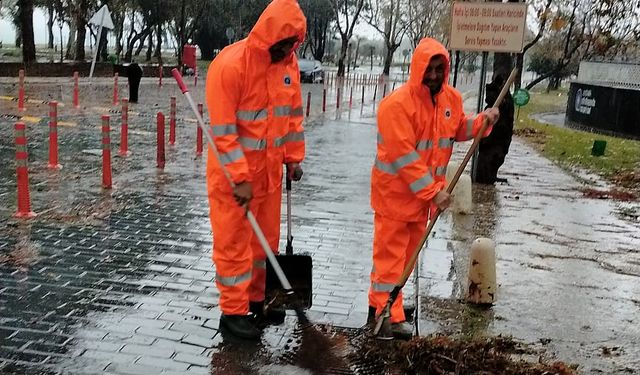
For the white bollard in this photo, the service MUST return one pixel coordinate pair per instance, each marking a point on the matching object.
(481, 282)
(462, 201)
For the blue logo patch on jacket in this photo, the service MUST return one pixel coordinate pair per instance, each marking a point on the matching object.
(287, 80)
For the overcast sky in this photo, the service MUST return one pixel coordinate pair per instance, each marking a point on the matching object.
(8, 35)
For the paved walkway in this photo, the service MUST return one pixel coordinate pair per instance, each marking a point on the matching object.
(121, 282)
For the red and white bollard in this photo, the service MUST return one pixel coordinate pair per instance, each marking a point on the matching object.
(22, 174)
(172, 122)
(324, 100)
(124, 129)
(21, 90)
(76, 91)
(160, 159)
(351, 97)
(308, 103)
(115, 89)
(53, 136)
(199, 132)
(106, 153)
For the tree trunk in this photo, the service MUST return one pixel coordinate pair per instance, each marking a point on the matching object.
(181, 32)
(388, 59)
(50, 25)
(119, 31)
(344, 46)
(158, 53)
(520, 66)
(141, 45)
(25, 9)
(81, 25)
(71, 41)
(143, 35)
(149, 48)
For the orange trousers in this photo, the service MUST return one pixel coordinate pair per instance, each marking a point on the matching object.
(393, 244)
(238, 256)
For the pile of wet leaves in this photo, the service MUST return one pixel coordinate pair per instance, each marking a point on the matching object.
(447, 355)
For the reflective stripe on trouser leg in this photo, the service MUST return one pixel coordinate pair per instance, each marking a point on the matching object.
(267, 213)
(392, 241)
(231, 253)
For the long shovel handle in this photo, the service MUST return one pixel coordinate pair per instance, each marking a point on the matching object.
(289, 248)
(252, 220)
(432, 221)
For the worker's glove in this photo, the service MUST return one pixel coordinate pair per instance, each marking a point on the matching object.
(294, 171)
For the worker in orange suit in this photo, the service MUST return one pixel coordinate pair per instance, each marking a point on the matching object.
(417, 126)
(255, 109)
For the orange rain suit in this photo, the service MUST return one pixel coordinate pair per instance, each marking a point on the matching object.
(415, 139)
(255, 110)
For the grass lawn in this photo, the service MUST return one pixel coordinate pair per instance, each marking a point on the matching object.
(571, 148)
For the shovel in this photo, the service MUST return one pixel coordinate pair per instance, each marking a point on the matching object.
(297, 268)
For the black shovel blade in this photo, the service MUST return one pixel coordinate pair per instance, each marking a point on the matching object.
(298, 270)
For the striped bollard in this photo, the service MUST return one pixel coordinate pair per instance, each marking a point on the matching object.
(308, 103)
(199, 132)
(76, 91)
(124, 129)
(324, 100)
(22, 174)
(53, 136)
(351, 97)
(160, 140)
(21, 90)
(172, 122)
(106, 153)
(115, 89)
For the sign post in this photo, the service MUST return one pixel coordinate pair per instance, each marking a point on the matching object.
(487, 27)
(102, 18)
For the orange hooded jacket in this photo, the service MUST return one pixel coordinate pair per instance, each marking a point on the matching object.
(415, 140)
(255, 107)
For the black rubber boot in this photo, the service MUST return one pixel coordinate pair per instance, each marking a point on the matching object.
(273, 315)
(402, 331)
(408, 313)
(240, 326)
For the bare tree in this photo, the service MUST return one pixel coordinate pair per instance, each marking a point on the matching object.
(427, 18)
(319, 15)
(346, 13)
(392, 15)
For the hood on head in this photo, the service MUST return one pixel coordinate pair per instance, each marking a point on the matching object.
(281, 19)
(426, 49)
